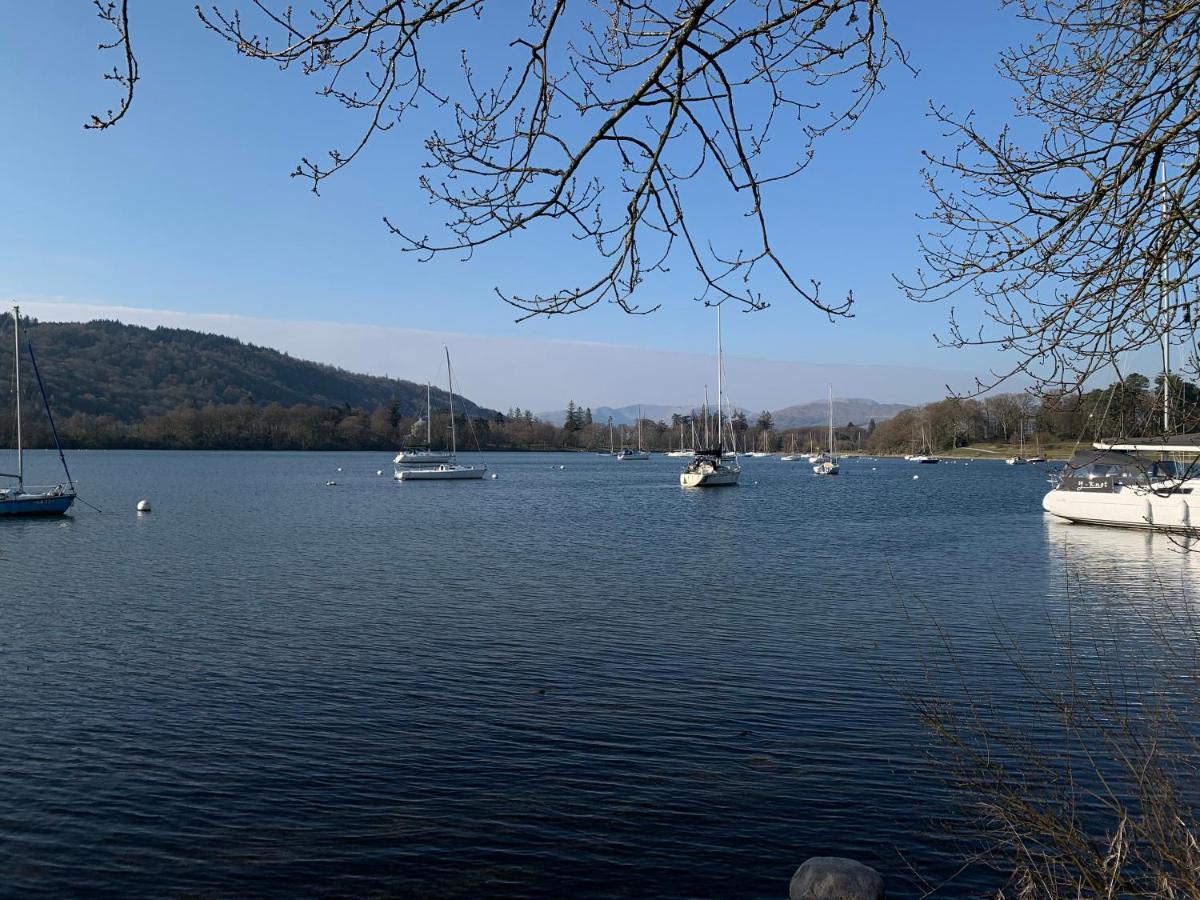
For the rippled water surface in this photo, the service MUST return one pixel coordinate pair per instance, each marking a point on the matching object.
(576, 681)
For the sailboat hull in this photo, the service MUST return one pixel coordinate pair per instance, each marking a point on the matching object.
(36, 504)
(441, 473)
(709, 476)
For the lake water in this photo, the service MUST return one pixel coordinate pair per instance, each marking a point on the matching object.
(578, 681)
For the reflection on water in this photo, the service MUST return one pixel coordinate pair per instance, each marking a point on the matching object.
(1135, 565)
(578, 681)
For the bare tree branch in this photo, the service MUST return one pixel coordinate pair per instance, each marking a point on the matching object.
(1068, 246)
(634, 99)
(116, 15)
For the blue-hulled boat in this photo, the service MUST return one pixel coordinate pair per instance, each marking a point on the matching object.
(19, 499)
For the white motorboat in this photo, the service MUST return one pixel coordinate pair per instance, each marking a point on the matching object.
(712, 468)
(1132, 485)
(424, 455)
(829, 465)
(449, 470)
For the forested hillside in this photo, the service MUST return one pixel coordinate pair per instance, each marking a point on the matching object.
(128, 372)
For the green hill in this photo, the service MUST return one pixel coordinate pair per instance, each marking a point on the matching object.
(131, 373)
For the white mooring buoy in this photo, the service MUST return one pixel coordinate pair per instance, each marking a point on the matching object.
(143, 506)
(493, 476)
(379, 471)
(915, 477)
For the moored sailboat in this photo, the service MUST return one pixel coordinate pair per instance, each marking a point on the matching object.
(685, 451)
(639, 453)
(829, 465)
(709, 467)
(449, 470)
(20, 499)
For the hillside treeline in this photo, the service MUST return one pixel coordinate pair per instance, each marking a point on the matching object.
(133, 374)
(1127, 408)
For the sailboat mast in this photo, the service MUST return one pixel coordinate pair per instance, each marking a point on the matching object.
(707, 442)
(639, 429)
(1163, 307)
(831, 421)
(720, 387)
(450, 379)
(428, 415)
(17, 366)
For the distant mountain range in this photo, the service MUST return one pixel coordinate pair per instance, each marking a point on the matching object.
(845, 410)
(104, 368)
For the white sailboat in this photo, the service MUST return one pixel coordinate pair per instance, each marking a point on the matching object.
(828, 466)
(685, 451)
(709, 467)
(792, 455)
(611, 451)
(639, 453)
(449, 470)
(1019, 459)
(20, 499)
(423, 455)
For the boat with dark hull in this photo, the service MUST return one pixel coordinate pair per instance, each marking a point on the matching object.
(21, 499)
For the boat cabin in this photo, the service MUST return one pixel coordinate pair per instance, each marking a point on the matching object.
(1105, 470)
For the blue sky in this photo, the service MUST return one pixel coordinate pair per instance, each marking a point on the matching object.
(187, 206)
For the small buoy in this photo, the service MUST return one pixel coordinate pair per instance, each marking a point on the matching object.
(915, 477)
(330, 483)
(873, 469)
(493, 476)
(143, 506)
(379, 471)
(562, 467)
(339, 468)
